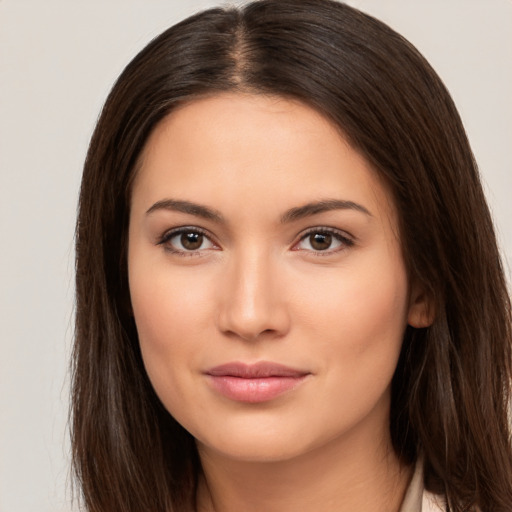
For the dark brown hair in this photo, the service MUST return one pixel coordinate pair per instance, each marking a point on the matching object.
(451, 389)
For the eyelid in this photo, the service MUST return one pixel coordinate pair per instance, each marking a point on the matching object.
(171, 233)
(345, 238)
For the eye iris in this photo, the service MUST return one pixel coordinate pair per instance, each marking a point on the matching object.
(320, 241)
(191, 241)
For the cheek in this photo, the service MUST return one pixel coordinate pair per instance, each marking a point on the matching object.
(359, 322)
(377, 312)
(154, 310)
(370, 293)
(170, 314)
(358, 327)
(167, 304)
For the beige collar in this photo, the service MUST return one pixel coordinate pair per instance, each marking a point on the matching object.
(417, 499)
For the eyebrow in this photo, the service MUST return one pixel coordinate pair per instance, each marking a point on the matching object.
(187, 207)
(291, 215)
(321, 206)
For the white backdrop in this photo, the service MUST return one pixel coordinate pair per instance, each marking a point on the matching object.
(58, 60)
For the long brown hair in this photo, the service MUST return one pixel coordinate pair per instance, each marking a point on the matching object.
(451, 389)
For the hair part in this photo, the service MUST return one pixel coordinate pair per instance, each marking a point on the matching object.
(451, 389)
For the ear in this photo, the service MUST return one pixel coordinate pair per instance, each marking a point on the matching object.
(421, 308)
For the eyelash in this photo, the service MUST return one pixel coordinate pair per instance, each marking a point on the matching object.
(168, 235)
(340, 236)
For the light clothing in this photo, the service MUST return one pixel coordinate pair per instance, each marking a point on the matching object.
(417, 499)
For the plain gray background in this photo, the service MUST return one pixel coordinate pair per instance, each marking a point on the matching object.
(58, 60)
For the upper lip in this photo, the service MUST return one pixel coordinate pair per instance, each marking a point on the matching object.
(257, 370)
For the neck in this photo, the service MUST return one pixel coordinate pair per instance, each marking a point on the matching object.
(340, 476)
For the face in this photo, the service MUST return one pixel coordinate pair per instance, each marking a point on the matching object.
(266, 278)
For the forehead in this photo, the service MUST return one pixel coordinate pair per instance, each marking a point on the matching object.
(254, 151)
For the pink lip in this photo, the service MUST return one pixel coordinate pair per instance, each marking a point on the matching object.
(254, 383)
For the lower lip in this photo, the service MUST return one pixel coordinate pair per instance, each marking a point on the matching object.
(254, 390)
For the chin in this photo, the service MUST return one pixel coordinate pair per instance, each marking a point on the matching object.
(265, 439)
(255, 449)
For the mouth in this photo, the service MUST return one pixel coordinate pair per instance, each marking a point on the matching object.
(254, 383)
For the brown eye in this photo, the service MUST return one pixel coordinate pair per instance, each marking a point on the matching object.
(324, 240)
(191, 241)
(186, 241)
(320, 241)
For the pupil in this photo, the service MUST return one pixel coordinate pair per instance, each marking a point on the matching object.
(320, 241)
(191, 241)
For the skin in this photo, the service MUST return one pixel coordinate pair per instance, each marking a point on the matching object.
(259, 289)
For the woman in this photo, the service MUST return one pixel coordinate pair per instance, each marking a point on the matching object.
(289, 295)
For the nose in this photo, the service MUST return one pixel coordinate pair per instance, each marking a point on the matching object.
(253, 305)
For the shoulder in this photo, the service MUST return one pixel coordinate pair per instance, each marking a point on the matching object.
(432, 503)
(435, 503)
